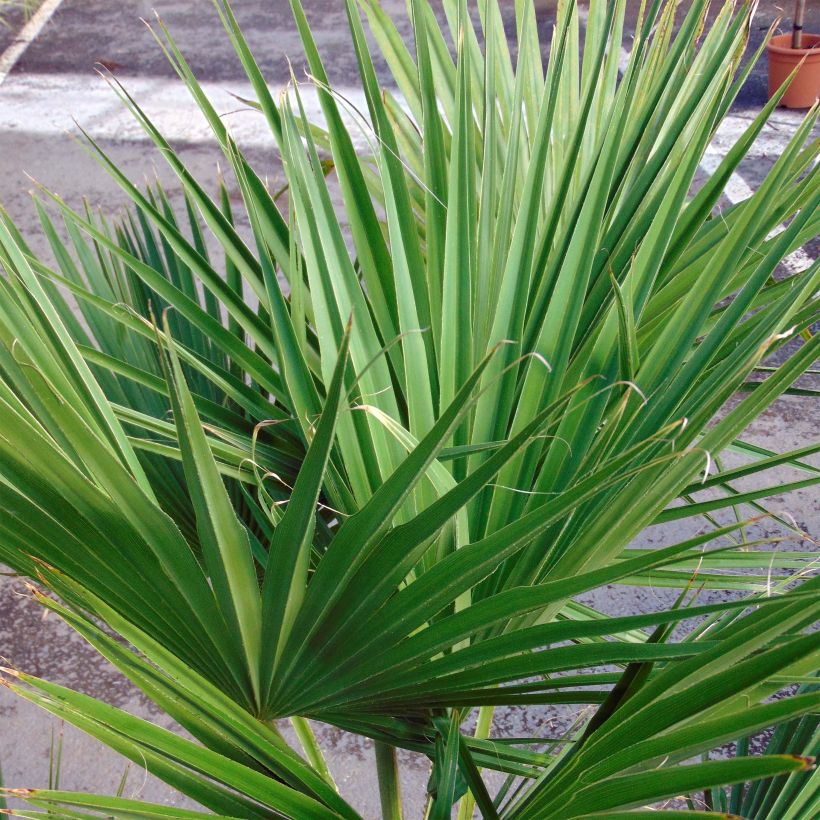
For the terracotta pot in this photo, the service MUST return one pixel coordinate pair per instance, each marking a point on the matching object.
(783, 59)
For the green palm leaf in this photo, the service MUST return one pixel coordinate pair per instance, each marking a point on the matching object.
(413, 423)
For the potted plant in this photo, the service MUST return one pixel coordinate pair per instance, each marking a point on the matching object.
(787, 52)
(231, 463)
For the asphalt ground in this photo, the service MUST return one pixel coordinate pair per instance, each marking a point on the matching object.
(82, 33)
(53, 81)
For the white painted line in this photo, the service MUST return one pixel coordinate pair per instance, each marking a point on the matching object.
(27, 105)
(27, 36)
(736, 189)
(49, 104)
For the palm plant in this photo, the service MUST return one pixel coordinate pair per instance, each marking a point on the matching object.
(790, 796)
(415, 414)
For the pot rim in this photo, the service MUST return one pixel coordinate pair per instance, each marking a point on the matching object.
(798, 53)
